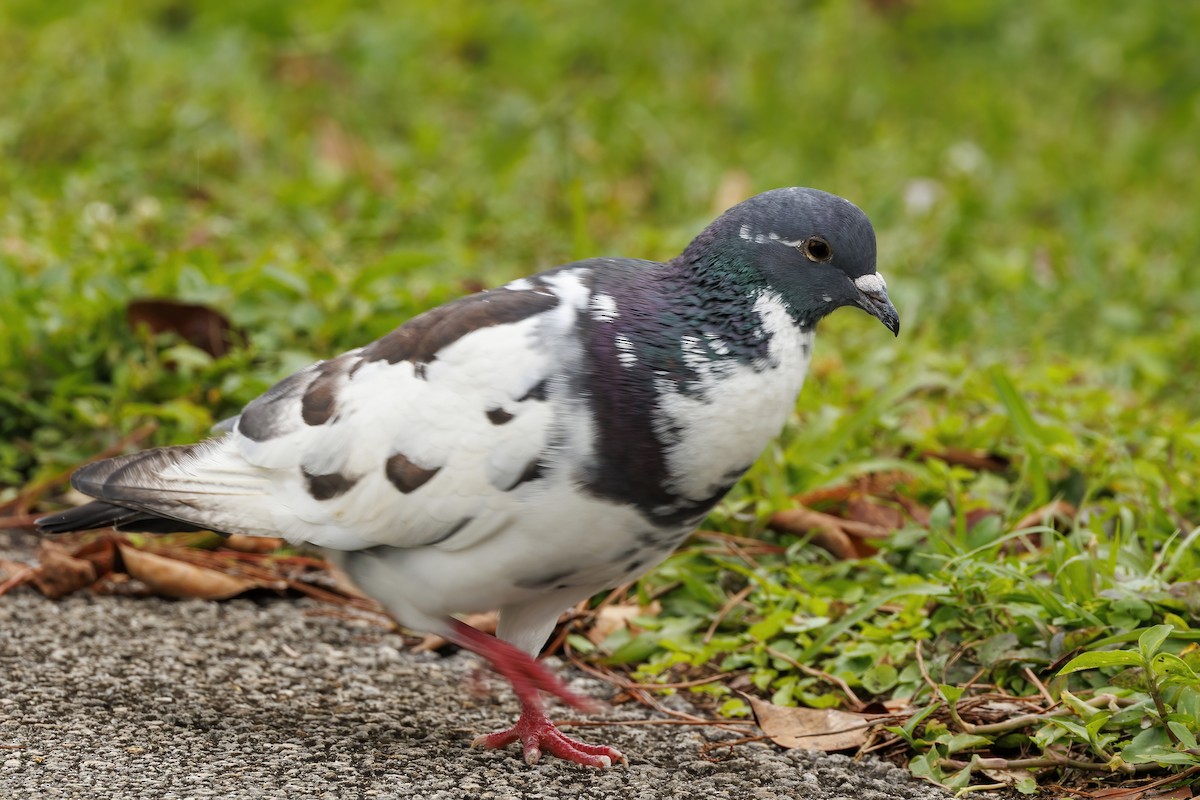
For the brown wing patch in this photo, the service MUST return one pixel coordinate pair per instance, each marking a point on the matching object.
(420, 339)
(328, 486)
(319, 402)
(498, 416)
(405, 475)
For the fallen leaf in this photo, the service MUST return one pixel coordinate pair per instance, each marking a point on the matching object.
(253, 544)
(174, 578)
(198, 325)
(1059, 511)
(613, 617)
(843, 538)
(101, 552)
(971, 459)
(825, 729)
(59, 573)
(871, 512)
(876, 484)
(13, 574)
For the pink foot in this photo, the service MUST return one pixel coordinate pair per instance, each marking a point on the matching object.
(529, 678)
(538, 735)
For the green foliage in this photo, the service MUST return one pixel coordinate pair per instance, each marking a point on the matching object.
(320, 170)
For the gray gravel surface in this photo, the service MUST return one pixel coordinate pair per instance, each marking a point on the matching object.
(110, 697)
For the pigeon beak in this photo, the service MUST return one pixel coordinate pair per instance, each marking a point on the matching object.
(873, 299)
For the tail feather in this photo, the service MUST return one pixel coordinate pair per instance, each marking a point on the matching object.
(101, 514)
(204, 486)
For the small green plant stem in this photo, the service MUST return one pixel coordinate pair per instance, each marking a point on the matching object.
(1041, 762)
(1099, 701)
(1159, 705)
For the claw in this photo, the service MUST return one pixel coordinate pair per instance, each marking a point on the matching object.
(538, 735)
(534, 729)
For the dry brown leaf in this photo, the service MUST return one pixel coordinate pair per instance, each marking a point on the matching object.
(60, 573)
(971, 459)
(613, 617)
(101, 552)
(841, 537)
(13, 574)
(825, 729)
(198, 325)
(1055, 511)
(253, 544)
(174, 578)
(867, 510)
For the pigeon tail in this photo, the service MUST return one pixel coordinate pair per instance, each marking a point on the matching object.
(204, 486)
(101, 514)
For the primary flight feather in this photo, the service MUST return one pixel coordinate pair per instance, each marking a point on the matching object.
(525, 447)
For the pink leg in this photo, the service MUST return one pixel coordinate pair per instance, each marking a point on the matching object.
(534, 729)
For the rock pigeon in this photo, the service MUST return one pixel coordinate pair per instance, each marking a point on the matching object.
(528, 446)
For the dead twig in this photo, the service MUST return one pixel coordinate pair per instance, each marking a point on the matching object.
(852, 698)
(730, 604)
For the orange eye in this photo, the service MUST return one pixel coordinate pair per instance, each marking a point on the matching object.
(815, 248)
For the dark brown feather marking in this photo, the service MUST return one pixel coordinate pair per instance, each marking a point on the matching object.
(318, 404)
(328, 486)
(405, 475)
(499, 416)
(421, 339)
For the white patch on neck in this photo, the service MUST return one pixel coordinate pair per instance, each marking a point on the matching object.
(738, 409)
(604, 308)
(625, 354)
(519, 285)
(716, 343)
(871, 284)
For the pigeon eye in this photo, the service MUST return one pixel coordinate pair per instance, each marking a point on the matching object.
(815, 248)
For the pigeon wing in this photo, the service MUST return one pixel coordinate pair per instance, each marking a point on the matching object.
(432, 434)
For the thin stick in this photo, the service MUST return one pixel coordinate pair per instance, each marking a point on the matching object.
(730, 604)
(1042, 690)
(604, 723)
(685, 684)
(858, 705)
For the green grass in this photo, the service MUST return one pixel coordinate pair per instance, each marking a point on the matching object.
(320, 170)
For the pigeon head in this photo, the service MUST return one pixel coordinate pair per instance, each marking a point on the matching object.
(814, 248)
